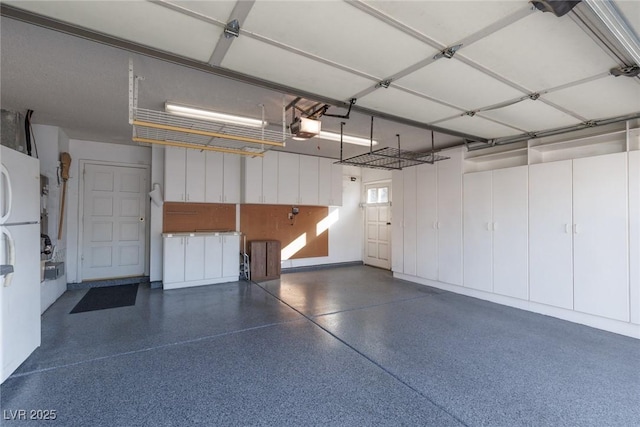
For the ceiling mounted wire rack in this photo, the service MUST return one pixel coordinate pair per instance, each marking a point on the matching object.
(389, 158)
(162, 128)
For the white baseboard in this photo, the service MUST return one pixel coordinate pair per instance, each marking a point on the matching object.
(615, 326)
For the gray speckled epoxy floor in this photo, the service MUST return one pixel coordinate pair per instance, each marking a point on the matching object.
(348, 346)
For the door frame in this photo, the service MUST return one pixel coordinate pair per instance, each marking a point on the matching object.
(147, 210)
(363, 205)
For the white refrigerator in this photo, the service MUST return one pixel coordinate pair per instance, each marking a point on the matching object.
(19, 258)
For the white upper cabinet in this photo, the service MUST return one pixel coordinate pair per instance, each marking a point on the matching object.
(309, 185)
(601, 257)
(231, 178)
(329, 183)
(175, 176)
(550, 234)
(270, 178)
(215, 177)
(195, 168)
(288, 179)
(252, 180)
(197, 176)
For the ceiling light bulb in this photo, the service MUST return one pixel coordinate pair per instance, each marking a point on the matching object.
(197, 113)
(346, 138)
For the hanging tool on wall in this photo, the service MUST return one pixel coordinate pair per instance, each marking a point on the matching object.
(65, 160)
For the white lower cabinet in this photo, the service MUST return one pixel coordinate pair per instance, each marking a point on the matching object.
(195, 260)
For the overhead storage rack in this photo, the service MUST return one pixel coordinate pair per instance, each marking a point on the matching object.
(162, 128)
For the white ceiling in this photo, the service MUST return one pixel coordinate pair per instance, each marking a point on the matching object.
(336, 50)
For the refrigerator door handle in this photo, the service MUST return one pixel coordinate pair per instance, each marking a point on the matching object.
(7, 191)
(10, 256)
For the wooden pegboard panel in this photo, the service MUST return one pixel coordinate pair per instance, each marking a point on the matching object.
(270, 222)
(188, 217)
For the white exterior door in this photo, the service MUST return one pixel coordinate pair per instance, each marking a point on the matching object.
(378, 226)
(113, 225)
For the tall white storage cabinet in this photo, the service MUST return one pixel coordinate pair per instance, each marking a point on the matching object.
(510, 232)
(397, 227)
(601, 268)
(551, 233)
(409, 221)
(450, 218)
(496, 231)
(427, 221)
(634, 235)
(478, 238)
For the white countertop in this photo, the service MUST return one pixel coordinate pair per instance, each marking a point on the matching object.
(201, 233)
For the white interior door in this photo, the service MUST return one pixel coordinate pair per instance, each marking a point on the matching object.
(113, 225)
(378, 226)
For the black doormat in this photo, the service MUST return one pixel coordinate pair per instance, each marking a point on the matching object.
(107, 297)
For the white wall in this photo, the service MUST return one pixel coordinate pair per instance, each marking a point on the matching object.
(345, 234)
(375, 175)
(99, 152)
(50, 141)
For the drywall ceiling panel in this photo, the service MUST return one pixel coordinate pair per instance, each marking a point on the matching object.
(448, 21)
(602, 98)
(531, 116)
(478, 126)
(403, 104)
(339, 33)
(458, 84)
(272, 63)
(220, 10)
(540, 52)
(140, 22)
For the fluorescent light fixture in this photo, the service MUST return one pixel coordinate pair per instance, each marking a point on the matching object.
(346, 138)
(612, 19)
(197, 113)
